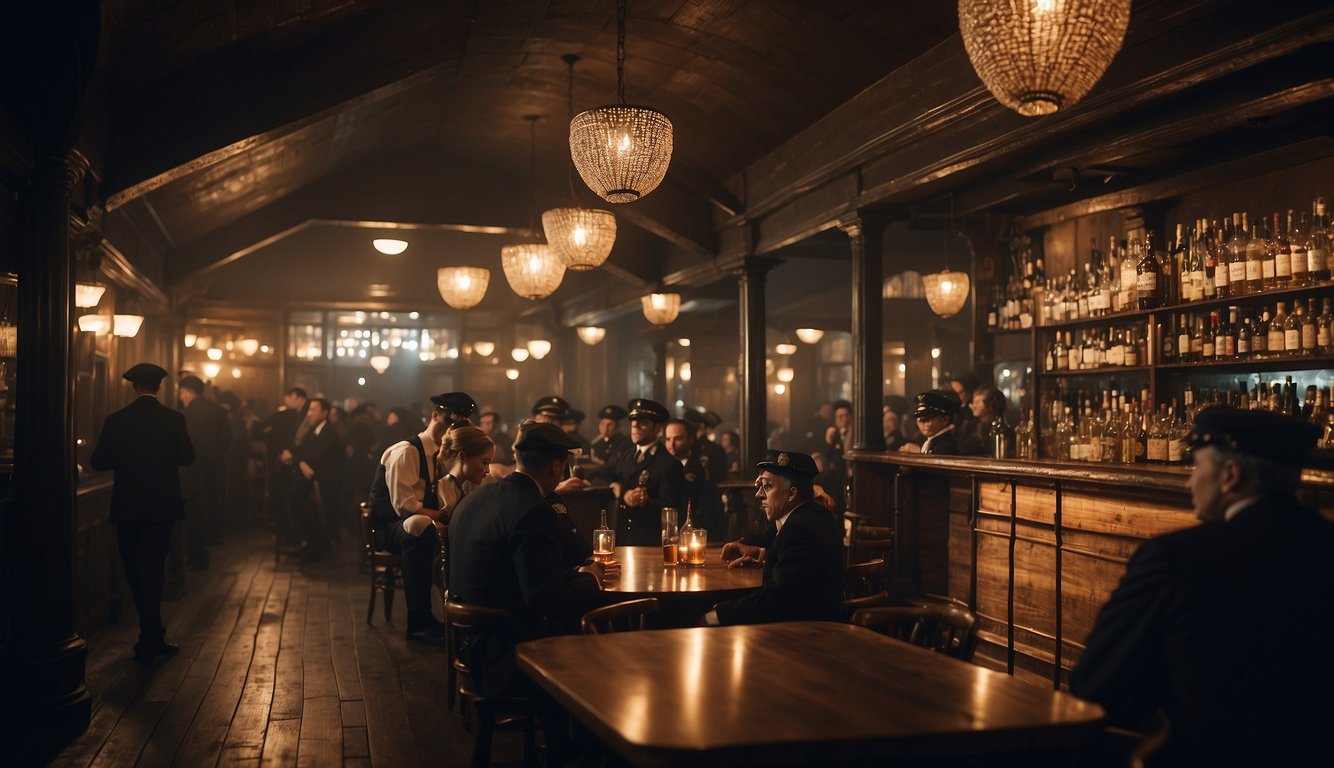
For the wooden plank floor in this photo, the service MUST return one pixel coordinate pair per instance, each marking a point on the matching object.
(277, 667)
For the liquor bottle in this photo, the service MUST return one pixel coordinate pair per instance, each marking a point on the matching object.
(1130, 253)
(1225, 347)
(1210, 340)
(1243, 328)
(1301, 277)
(1192, 267)
(1169, 270)
(1218, 256)
(1176, 436)
(1268, 254)
(1063, 435)
(1282, 253)
(1317, 243)
(1142, 436)
(1236, 258)
(1292, 331)
(1130, 354)
(1308, 407)
(1324, 331)
(1149, 279)
(1278, 343)
(1075, 352)
(1254, 247)
(1183, 340)
(1309, 332)
(1260, 336)
(1158, 429)
(1116, 350)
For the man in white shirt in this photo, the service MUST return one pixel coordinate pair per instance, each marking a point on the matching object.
(406, 508)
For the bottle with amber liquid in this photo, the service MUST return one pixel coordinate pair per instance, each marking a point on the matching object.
(1149, 282)
(1236, 258)
(1255, 250)
(1292, 331)
(1216, 247)
(1278, 343)
(1282, 248)
(1297, 246)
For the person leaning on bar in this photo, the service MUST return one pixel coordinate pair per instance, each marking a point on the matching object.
(1223, 627)
(934, 413)
(801, 550)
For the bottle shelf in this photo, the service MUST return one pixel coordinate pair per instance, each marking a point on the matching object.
(1320, 290)
(1112, 319)
(1105, 370)
(1257, 364)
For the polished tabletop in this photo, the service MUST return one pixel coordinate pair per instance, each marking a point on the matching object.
(644, 574)
(795, 692)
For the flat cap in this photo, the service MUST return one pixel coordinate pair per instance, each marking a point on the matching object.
(934, 403)
(146, 374)
(192, 383)
(643, 408)
(542, 436)
(788, 463)
(613, 412)
(551, 405)
(1263, 434)
(459, 403)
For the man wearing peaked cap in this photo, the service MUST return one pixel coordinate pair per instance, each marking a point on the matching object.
(550, 409)
(609, 444)
(1201, 626)
(403, 495)
(801, 549)
(934, 413)
(143, 444)
(570, 423)
(646, 478)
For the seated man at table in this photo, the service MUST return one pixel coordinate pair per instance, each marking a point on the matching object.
(934, 414)
(506, 552)
(802, 550)
(1222, 626)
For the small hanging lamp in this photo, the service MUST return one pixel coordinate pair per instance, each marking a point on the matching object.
(661, 308)
(533, 270)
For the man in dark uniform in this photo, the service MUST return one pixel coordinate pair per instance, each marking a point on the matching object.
(678, 437)
(278, 431)
(934, 414)
(506, 552)
(610, 443)
(551, 409)
(406, 508)
(712, 461)
(570, 422)
(647, 479)
(1221, 626)
(211, 435)
(143, 444)
(802, 550)
(314, 475)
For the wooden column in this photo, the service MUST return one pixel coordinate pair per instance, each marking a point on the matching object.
(750, 274)
(866, 234)
(660, 387)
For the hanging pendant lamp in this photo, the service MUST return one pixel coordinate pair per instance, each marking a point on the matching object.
(947, 290)
(621, 150)
(534, 270)
(661, 308)
(1039, 56)
(462, 287)
(582, 236)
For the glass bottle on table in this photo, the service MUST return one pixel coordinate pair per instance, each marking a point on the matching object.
(604, 540)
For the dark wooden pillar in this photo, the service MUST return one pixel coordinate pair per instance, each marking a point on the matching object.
(865, 234)
(660, 387)
(750, 274)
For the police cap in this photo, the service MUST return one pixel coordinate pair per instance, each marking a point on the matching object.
(541, 436)
(458, 403)
(613, 412)
(934, 403)
(1263, 434)
(643, 408)
(788, 463)
(551, 405)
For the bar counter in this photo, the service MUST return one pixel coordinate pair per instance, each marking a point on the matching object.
(1033, 547)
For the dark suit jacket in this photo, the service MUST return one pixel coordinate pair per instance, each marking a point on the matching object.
(144, 443)
(210, 429)
(506, 552)
(1223, 626)
(803, 572)
(642, 526)
(323, 452)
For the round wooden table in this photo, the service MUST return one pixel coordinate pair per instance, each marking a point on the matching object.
(686, 592)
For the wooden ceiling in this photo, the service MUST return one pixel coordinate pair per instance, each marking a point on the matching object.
(232, 122)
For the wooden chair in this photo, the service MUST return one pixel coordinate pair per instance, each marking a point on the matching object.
(384, 566)
(942, 627)
(461, 618)
(867, 541)
(862, 585)
(619, 617)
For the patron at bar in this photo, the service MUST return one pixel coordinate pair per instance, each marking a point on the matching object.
(934, 412)
(1222, 627)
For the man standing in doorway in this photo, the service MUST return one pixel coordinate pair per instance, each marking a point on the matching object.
(143, 444)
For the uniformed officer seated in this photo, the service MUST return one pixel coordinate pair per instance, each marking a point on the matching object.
(934, 413)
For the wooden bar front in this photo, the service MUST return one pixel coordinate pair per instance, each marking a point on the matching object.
(1034, 548)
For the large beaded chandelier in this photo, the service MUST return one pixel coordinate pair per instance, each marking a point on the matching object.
(1039, 56)
(462, 287)
(582, 236)
(621, 150)
(533, 270)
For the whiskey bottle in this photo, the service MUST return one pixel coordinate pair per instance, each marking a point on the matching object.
(1219, 255)
(1317, 243)
(1255, 254)
(1243, 329)
(1149, 282)
(1297, 245)
(1324, 330)
(1282, 253)
(1292, 331)
(1309, 332)
(1278, 343)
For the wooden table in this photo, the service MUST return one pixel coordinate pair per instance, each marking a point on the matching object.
(686, 592)
(795, 692)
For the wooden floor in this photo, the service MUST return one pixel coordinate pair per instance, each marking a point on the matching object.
(277, 667)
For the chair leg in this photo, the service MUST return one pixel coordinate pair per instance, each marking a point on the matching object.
(389, 595)
(481, 741)
(370, 609)
(529, 742)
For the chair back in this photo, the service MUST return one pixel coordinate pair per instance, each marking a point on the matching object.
(865, 541)
(862, 585)
(367, 529)
(942, 627)
(628, 616)
(461, 618)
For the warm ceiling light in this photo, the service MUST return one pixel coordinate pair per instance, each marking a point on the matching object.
(389, 246)
(1039, 56)
(98, 324)
(591, 334)
(683, 342)
(683, 373)
(462, 287)
(810, 335)
(484, 348)
(380, 363)
(248, 347)
(519, 354)
(661, 308)
(87, 295)
(780, 389)
(583, 237)
(211, 370)
(511, 373)
(621, 150)
(214, 354)
(533, 270)
(202, 343)
(946, 291)
(785, 375)
(539, 348)
(785, 349)
(127, 325)
(236, 373)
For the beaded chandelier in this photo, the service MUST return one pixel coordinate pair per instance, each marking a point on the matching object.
(621, 150)
(582, 236)
(533, 270)
(946, 291)
(1038, 56)
(462, 287)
